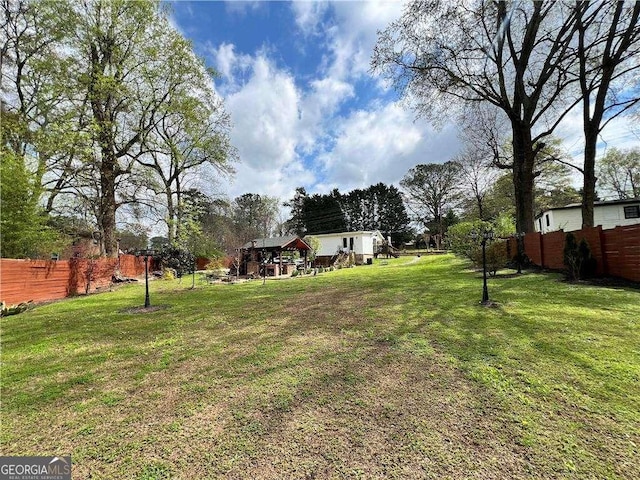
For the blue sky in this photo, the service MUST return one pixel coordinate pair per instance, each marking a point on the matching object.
(306, 110)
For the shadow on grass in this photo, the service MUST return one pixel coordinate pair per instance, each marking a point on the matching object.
(394, 373)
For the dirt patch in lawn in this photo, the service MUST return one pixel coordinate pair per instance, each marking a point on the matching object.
(384, 416)
(151, 309)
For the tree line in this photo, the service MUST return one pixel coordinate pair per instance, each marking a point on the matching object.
(378, 207)
(524, 65)
(107, 114)
(110, 119)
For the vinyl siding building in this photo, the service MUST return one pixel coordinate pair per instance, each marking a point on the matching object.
(609, 214)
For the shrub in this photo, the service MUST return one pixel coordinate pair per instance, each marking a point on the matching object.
(460, 241)
(216, 264)
(182, 261)
(588, 262)
(496, 256)
(320, 269)
(294, 273)
(168, 274)
(577, 258)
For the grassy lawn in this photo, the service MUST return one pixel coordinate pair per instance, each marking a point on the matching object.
(384, 371)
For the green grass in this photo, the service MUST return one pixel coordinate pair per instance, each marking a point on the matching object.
(385, 371)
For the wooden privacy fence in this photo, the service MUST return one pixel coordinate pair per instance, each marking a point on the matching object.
(617, 251)
(42, 280)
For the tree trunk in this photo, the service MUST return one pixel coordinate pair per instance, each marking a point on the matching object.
(179, 210)
(589, 178)
(171, 215)
(108, 204)
(480, 209)
(523, 177)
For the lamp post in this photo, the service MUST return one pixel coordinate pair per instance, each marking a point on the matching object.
(146, 254)
(484, 236)
(519, 238)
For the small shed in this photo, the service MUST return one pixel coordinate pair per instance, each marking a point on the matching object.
(270, 253)
(364, 244)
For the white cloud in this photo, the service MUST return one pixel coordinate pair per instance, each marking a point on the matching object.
(309, 15)
(231, 65)
(351, 35)
(358, 23)
(243, 7)
(265, 115)
(317, 109)
(291, 135)
(381, 145)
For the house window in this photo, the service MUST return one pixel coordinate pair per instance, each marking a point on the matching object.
(547, 219)
(632, 211)
(540, 224)
(344, 242)
(351, 244)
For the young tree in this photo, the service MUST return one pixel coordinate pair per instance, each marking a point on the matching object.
(478, 175)
(432, 190)
(23, 228)
(619, 173)
(510, 55)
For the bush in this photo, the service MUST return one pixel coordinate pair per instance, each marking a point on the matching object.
(460, 241)
(182, 261)
(496, 254)
(320, 269)
(168, 274)
(218, 263)
(577, 258)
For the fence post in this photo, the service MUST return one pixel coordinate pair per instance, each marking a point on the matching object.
(603, 251)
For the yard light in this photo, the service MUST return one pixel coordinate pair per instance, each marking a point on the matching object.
(484, 236)
(146, 254)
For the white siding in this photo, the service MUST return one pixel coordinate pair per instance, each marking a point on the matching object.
(570, 219)
(330, 243)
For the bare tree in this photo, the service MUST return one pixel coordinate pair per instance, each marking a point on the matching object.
(608, 53)
(619, 173)
(431, 190)
(482, 155)
(191, 135)
(511, 55)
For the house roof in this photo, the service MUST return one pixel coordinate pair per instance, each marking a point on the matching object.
(291, 242)
(595, 204)
(337, 234)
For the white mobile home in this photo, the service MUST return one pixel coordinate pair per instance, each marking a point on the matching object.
(609, 214)
(363, 244)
